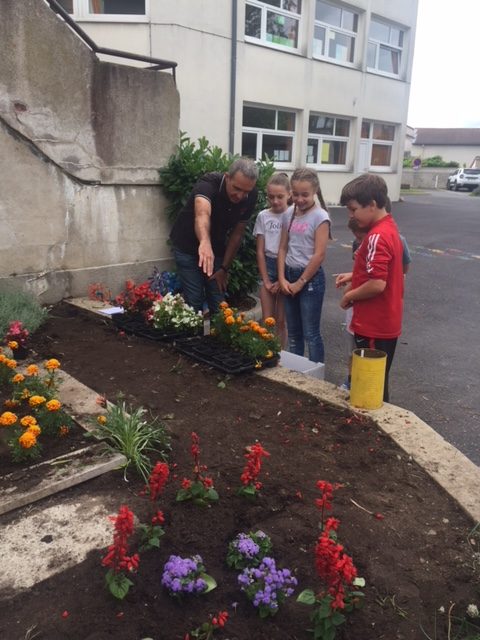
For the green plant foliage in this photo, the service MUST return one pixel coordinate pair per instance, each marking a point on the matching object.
(191, 161)
(435, 161)
(22, 306)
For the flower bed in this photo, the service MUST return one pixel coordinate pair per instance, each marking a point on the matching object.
(415, 560)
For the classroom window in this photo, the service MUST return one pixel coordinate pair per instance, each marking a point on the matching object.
(335, 32)
(327, 140)
(380, 138)
(268, 132)
(385, 47)
(273, 22)
(128, 10)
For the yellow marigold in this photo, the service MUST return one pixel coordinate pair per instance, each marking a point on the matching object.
(27, 440)
(10, 404)
(223, 305)
(25, 394)
(28, 421)
(270, 322)
(32, 370)
(34, 429)
(239, 320)
(228, 312)
(3, 357)
(52, 364)
(11, 364)
(269, 354)
(245, 328)
(266, 336)
(18, 377)
(13, 344)
(63, 431)
(53, 405)
(258, 364)
(102, 419)
(229, 320)
(35, 401)
(8, 418)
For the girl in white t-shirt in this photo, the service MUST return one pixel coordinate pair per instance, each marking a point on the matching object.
(267, 230)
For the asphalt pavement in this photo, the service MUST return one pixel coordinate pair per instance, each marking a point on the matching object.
(436, 371)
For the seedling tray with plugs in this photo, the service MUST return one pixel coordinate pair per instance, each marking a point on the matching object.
(210, 351)
(138, 327)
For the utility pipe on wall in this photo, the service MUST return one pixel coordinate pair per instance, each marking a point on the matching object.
(233, 78)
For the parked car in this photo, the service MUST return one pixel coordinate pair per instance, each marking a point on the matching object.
(467, 178)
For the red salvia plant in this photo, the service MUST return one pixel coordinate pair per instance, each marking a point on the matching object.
(137, 298)
(117, 559)
(153, 531)
(200, 489)
(207, 629)
(324, 503)
(249, 478)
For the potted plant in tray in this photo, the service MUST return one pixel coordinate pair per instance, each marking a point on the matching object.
(172, 315)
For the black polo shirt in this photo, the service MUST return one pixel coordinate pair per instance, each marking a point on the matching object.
(224, 217)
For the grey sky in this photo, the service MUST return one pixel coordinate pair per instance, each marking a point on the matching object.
(446, 69)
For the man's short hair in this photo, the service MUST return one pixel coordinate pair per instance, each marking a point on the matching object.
(246, 166)
(364, 190)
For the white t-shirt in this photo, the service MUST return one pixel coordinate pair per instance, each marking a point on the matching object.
(301, 235)
(269, 225)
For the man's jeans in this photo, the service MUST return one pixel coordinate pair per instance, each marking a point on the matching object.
(303, 313)
(197, 287)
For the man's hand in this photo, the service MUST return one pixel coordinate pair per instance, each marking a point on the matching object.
(205, 258)
(343, 279)
(221, 278)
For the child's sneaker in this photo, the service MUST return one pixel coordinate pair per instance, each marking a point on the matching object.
(345, 386)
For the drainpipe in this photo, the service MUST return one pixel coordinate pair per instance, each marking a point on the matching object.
(233, 78)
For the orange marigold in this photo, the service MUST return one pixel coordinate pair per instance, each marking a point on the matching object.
(18, 377)
(269, 354)
(34, 429)
(13, 344)
(35, 401)
(270, 322)
(223, 305)
(25, 394)
(239, 320)
(228, 313)
(262, 330)
(63, 431)
(102, 419)
(245, 328)
(3, 357)
(28, 421)
(53, 405)
(32, 370)
(11, 364)
(27, 440)
(8, 418)
(52, 364)
(10, 404)
(229, 320)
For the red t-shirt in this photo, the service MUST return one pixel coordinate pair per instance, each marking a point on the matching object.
(379, 257)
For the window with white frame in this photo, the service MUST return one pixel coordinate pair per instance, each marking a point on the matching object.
(268, 132)
(380, 137)
(130, 10)
(385, 47)
(327, 140)
(335, 32)
(273, 22)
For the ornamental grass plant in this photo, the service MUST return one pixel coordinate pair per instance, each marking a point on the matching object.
(23, 307)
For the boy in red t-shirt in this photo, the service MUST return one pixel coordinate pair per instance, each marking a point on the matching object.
(375, 288)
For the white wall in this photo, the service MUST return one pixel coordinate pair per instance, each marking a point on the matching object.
(462, 154)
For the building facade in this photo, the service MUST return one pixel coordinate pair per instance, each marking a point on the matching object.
(458, 145)
(307, 82)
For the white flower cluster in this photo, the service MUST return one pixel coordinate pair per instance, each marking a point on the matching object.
(172, 312)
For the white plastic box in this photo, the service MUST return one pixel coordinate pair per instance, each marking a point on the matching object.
(302, 365)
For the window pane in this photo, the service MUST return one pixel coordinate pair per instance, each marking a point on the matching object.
(371, 55)
(334, 152)
(286, 121)
(383, 131)
(274, 3)
(349, 20)
(253, 21)
(249, 145)
(67, 5)
(282, 30)
(342, 127)
(321, 124)
(381, 155)
(379, 31)
(340, 47)
(277, 147)
(257, 117)
(292, 5)
(389, 60)
(312, 151)
(122, 7)
(326, 13)
(365, 129)
(396, 37)
(319, 41)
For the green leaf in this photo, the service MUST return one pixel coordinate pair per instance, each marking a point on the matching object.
(118, 584)
(307, 597)
(211, 582)
(248, 490)
(197, 490)
(212, 495)
(183, 495)
(338, 618)
(221, 384)
(359, 582)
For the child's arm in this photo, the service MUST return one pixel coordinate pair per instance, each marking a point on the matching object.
(369, 289)
(262, 263)
(282, 254)
(321, 240)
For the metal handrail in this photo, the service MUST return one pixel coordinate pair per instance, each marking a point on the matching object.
(157, 63)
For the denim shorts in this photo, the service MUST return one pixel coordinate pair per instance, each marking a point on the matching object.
(272, 268)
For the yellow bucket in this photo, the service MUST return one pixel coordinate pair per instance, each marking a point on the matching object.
(368, 378)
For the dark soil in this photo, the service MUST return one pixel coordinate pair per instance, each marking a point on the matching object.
(415, 560)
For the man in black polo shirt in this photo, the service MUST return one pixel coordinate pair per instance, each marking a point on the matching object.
(209, 230)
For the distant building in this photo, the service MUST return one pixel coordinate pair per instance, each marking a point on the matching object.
(317, 82)
(459, 145)
(410, 134)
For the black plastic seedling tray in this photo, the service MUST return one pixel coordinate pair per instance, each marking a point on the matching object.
(138, 327)
(210, 351)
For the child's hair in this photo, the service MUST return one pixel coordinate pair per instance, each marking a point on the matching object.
(388, 205)
(364, 190)
(309, 175)
(280, 179)
(354, 228)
